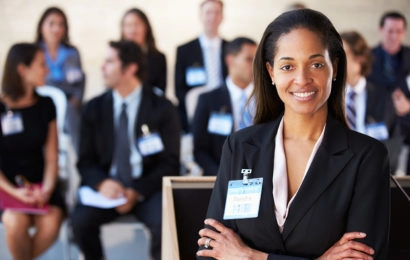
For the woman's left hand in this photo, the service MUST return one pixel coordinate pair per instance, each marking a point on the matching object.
(44, 196)
(224, 243)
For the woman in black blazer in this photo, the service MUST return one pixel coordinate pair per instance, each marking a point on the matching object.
(136, 27)
(324, 189)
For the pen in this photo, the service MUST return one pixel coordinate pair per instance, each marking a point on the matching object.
(22, 181)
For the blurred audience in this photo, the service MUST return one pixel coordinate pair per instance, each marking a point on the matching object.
(28, 147)
(223, 110)
(136, 27)
(390, 68)
(368, 111)
(200, 63)
(63, 61)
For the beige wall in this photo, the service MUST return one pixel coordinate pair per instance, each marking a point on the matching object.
(94, 22)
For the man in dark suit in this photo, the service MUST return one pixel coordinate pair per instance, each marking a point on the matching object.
(127, 164)
(220, 112)
(392, 64)
(391, 58)
(199, 63)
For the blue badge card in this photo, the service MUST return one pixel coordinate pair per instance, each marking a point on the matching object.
(150, 144)
(195, 76)
(220, 124)
(11, 123)
(243, 200)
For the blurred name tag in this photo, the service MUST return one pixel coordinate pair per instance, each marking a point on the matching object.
(150, 144)
(243, 200)
(378, 131)
(195, 76)
(220, 124)
(11, 123)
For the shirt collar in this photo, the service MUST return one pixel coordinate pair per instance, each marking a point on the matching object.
(358, 88)
(236, 92)
(130, 98)
(207, 42)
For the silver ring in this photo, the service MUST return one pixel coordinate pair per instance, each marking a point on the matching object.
(207, 242)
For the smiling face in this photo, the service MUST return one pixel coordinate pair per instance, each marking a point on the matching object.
(302, 72)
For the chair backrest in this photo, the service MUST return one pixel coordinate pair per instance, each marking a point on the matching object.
(60, 101)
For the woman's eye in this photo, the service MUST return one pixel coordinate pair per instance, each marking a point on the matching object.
(286, 67)
(318, 65)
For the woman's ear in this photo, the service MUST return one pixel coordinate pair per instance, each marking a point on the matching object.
(269, 68)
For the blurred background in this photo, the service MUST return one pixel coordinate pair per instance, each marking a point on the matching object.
(92, 23)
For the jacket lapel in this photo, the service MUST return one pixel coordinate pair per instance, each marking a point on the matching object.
(108, 125)
(143, 113)
(259, 157)
(330, 159)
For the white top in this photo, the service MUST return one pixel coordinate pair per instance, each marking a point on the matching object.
(408, 81)
(235, 94)
(359, 103)
(133, 101)
(280, 176)
(212, 50)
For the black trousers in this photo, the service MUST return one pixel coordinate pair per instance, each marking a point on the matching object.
(86, 222)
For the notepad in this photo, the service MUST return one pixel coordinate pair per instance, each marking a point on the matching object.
(11, 203)
(90, 197)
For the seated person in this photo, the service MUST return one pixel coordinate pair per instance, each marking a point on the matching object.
(28, 147)
(222, 111)
(117, 157)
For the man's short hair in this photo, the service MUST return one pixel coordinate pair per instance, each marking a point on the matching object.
(129, 53)
(234, 47)
(393, 15)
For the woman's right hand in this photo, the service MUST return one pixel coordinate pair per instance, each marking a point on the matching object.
(348, 248)
(25, 195)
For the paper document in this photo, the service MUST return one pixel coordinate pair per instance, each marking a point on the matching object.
(90, 197)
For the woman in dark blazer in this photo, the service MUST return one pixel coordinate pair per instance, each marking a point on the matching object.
(136, 27)
(324, 188)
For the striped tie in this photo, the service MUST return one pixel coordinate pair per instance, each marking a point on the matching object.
(351, 110)
(245, 115)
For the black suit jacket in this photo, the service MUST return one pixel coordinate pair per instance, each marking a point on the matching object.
(379, 107)
(208, 146)
(97, 141)
(378, 76)
(157, 70)
(190, 55)
(345, 189)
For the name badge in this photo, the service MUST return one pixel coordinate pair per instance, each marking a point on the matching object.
(378, 131)
(11, 123)
(195, 76)
(73, 75)
(243, 200)
(149, 143)
(220, 124)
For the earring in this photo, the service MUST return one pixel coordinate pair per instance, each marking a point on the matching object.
(273, 83)
(334, 79)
